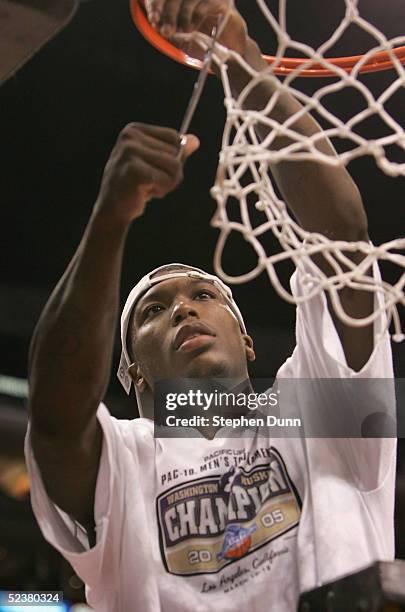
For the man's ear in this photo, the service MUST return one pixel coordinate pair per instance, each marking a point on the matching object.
(249, 350)
(135, 373)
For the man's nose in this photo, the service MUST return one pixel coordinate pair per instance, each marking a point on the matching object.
(182, 310)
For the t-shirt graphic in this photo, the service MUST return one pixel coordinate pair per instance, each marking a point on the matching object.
(207, 523)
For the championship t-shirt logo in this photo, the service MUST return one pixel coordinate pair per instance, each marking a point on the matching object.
(210, 522)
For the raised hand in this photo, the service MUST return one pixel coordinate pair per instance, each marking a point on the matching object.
(144, 164)
(173, 17)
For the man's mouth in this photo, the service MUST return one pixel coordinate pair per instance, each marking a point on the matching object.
(192, 336)
(194, 342)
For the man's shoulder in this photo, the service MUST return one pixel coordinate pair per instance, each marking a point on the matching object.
(129, 430)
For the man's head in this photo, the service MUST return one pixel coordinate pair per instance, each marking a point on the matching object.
(180, 322)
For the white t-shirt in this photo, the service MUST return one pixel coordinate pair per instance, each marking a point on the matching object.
(233, 524)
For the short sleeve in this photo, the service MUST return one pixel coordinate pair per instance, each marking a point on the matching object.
(101, 561)
(361, 398)
(319, 349)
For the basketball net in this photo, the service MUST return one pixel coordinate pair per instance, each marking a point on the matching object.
(244, 183)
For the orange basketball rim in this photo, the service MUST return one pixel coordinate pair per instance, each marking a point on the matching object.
(379, 61)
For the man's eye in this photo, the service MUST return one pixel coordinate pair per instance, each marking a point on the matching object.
(152, 310)
(205, 295)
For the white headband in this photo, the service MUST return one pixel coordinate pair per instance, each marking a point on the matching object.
(144, 285)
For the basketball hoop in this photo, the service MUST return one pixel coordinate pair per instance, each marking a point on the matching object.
(243, 178)
(381, 60)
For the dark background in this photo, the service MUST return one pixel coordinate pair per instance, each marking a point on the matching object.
(59, 119)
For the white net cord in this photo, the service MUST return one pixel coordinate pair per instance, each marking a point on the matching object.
(243, 178)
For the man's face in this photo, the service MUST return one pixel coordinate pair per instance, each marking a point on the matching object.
(183, 328)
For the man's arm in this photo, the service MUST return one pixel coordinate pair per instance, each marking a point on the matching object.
(323, 198)
(71, 351)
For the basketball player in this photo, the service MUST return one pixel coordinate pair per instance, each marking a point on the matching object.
(204, 523)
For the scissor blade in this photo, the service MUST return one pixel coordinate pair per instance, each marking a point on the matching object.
(199, 85)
